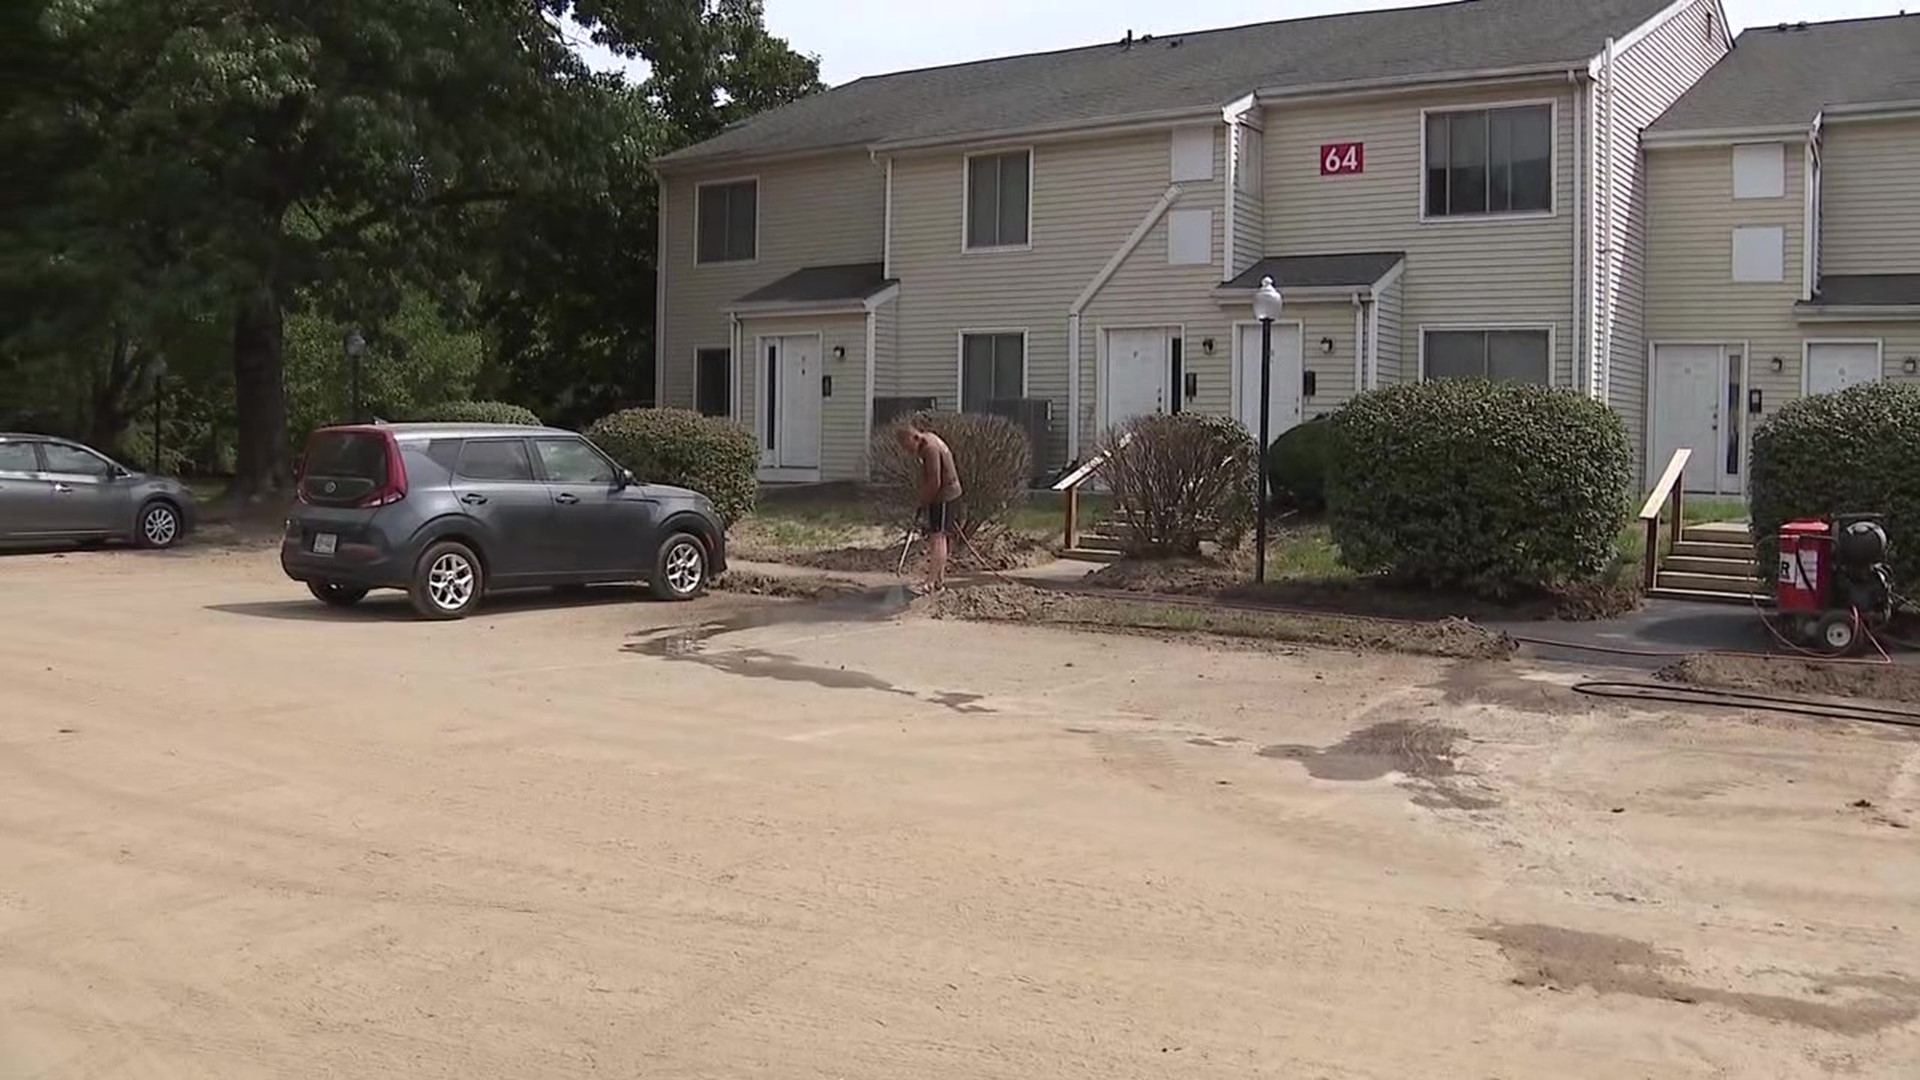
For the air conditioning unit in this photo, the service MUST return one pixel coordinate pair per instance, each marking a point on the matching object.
(1035, 417)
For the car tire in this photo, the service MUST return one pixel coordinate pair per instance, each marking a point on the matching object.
(158, 526)
(448, 581)
(679, 568)
(336, 595)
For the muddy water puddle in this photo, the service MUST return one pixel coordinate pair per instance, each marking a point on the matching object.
(1421, 753)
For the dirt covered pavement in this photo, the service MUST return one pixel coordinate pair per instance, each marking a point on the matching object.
(244, 836)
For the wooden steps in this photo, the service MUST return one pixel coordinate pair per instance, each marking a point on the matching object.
(1713, 563)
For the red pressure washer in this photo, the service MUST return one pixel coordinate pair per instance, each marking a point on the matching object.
(1835, 590)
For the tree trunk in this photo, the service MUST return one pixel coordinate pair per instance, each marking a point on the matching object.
(110, 410)
(259, 389)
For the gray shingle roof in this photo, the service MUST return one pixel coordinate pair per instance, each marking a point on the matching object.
(822, 284)
(1868, 290)
(1777, 77)
(1319, 271)
(1175, 71)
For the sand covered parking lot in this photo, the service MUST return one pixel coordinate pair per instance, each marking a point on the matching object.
(245, 836)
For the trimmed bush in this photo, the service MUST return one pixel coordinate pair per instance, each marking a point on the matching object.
(1856, 451)
(1297, 465)
(1180, 480)
(713, 456)
(1490, 487)
(991, 454)
(478, 412)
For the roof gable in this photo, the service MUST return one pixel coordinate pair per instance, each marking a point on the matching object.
(1197, 70)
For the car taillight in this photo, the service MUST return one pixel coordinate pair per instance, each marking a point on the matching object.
(395, 489)
(300, 478)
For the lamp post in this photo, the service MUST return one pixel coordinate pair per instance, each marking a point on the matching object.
(1267, 306)
(356, 347)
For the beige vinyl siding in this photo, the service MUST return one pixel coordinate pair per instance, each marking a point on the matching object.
(1646, 80)
(1691, 294)
(812, 212)
(1393, 367)
(886, 347)
(1459, 272)
(1870, 197)
(843, 451)
(1249, 217)
(1087, 198)
(1333, 372)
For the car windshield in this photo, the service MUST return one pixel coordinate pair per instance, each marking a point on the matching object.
(359, 455)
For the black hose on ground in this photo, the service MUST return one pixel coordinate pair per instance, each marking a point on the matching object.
(1733, 699)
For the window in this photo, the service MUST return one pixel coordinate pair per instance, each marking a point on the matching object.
(1760, 171)
(570, 461)
(713, 382)
(72, 461)
(1759, 254)
(998, 193)
(992, 368)
(496, 460)
(1190, 238)
(729, 225)
(1246, 176)
(1192, 154)
(17, 457)
(1501, 355)
(1490, 161)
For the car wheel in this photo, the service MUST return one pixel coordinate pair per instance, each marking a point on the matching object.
(447, 581)
(334, 595)
(158, 527)
(680, 570)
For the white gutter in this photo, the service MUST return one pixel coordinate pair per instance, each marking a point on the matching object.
(1857, 313)
(1411, 82)
(1305, 294)
(1874, 110)
(1722, 136)
(1067, 128)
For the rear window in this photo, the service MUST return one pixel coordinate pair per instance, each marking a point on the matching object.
(351, 455)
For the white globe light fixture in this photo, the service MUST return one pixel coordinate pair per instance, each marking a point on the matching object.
(1267, 302)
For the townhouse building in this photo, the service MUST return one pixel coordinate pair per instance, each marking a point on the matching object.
(1784, 227)
(1075, 237)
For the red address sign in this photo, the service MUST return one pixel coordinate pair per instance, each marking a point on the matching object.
(1343, 158)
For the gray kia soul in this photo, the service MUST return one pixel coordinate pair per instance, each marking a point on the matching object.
(452, 512)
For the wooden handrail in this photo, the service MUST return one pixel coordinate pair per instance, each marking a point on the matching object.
(1669, 489)
(1070, 484)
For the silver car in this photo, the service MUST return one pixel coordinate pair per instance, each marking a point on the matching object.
(59, 490)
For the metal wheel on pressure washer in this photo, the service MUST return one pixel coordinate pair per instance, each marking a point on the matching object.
(1838, 632)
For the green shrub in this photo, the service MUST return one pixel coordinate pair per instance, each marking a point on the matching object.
(1297, 465)
(1854, 451)
(1491, 487)
(1180, 480)
(991, 454)
(713, 456)
(478, 412)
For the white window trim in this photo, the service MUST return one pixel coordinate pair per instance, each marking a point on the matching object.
(960, 359)
(1806, 357)
(1553, 164)
(1553, 342)
(1235, 360)
(733, 378)
(758, 218)
(1170, 331)
(966, 198)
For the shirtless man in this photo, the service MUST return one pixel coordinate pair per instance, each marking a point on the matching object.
(939, 487)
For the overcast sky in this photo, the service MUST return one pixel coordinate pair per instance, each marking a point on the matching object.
(870, 37)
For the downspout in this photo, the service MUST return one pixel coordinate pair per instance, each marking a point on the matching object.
(1604, 370)
(886, 249)
(866, 414)
(1073, 386)
(1359, 344)
(1373, 343)
(734, 358)
(1227, 215)
(1582, 221)
(660, 293)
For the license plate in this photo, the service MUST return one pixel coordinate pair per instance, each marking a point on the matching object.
(324, 543)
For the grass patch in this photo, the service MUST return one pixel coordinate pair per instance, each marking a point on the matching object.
(837, 526)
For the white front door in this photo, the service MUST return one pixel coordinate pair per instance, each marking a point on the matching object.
(790, 401)
(1285, 389)
(1136, 375)
(1837, 365)
(1687, 383)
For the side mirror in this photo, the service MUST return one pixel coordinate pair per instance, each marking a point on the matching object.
(117, 472)
(626, 479)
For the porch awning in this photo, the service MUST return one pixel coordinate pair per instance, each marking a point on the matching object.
(850, 287)
(1336, 275)
(1855, 297)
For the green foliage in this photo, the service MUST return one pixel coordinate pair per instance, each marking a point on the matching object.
(1298, 462)
(715, 457)
(1492, 487)
(1180, 480)
(1854, 451)
(991, 454)
(478, 412)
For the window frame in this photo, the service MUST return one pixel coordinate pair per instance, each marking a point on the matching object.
(731, 181)
(526, 451)
(32, 447)
(1552, 330)
(960, 359)
(967, 246)
(540, 462)
(1552, 105)
(107, 466)
(733, 379)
